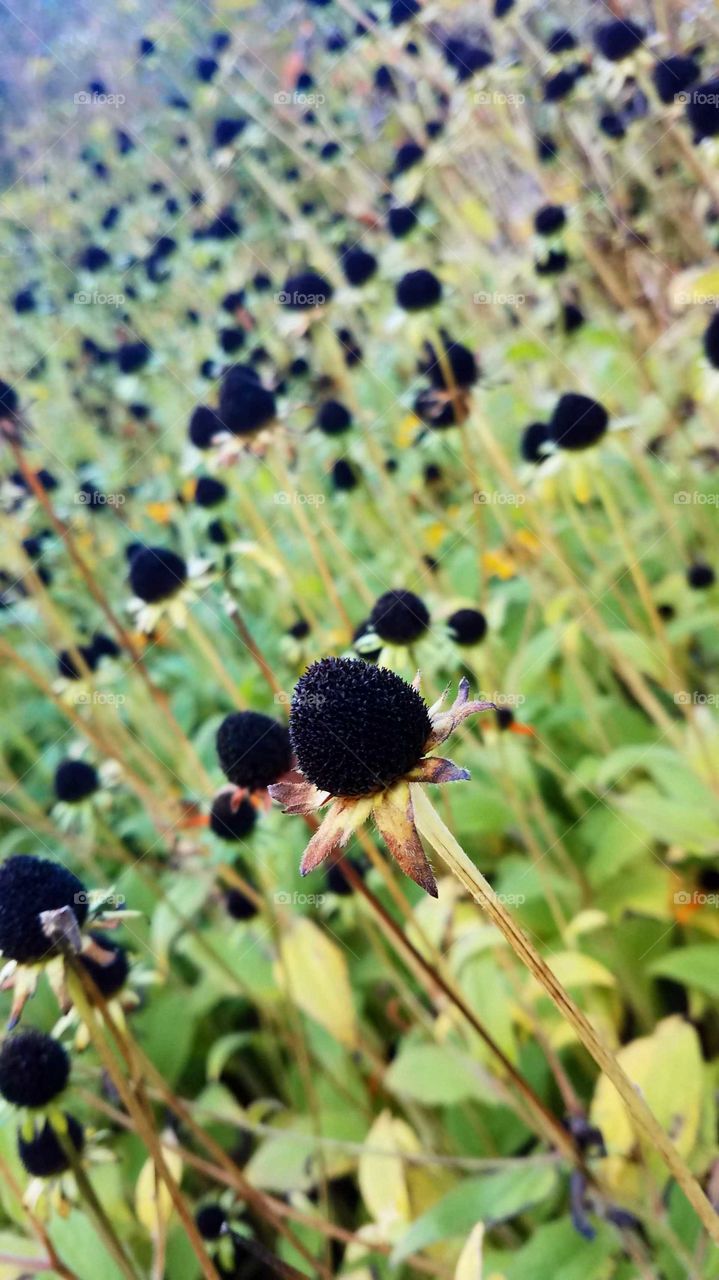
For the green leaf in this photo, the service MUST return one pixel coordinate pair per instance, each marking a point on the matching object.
(495, 1197)
(694, 966)
(437, 1076)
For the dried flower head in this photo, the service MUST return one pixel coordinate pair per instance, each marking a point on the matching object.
(361, 735)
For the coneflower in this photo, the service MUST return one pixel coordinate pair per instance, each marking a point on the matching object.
(362, 735)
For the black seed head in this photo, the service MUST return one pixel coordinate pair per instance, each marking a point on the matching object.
(75, 780)
(69, 668)
(401, 221)
(554, 264)
(253, 749)
(8, 399)
(612, 125)
(700, 576)
(534, 437)
(460, 359)
(239, 906)
(305, 291)
(358, 266)
(344, 475)
(436, 411)
(572, 317)
(231, 824)
(561, 41)
(156, 574)
(43, 1156)
(399, 617)
(418, 290)
(34, 1068)
(356, 728)
(559, 86)
(467, 626)
(28, 886)
(407, 156)
(334, 418)
(402, 10)
(108, 978)
(577, 422)
(245, 405)
(206, 69)
(711, 341)
(103, 646)
(618, 39)
(299, 629)
(504, 717)
(209, 491)
(673, 75)
(133, 356)
(210, 1220)
(232, 340)
(226, 130)
(666, 612)
(549, 219)
(703, 110)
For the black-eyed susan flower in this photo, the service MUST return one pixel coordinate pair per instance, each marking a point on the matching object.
(43, 910)
(163, 583)
(362, 736)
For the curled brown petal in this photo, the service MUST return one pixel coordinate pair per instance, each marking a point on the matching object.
(395, 822)
(437, 769)
(298, 797)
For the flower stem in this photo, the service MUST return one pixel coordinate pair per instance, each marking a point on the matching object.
(431, 826)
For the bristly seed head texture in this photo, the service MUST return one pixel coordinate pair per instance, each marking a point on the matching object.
(34, 1068)
(356, 728)
(28, 886)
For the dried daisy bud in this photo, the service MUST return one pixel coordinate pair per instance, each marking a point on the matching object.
(700, 576)
(34, 1069)
(43, 1155)
(29, 886)
(253, 749)
(467, 626)
(108, 978)
(618, 39)
(231, 821)
(399, 617)
(156, 573)
(210, 1220)
(577, 422)
(356, 728)
(75, 780)
(418, 290)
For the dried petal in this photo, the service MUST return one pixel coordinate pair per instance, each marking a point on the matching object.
(395, 822)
